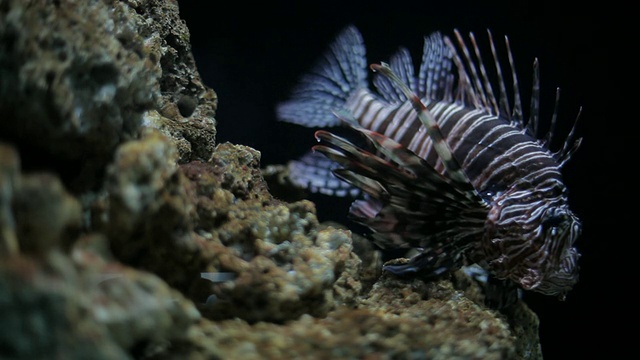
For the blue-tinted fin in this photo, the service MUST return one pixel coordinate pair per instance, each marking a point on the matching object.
(314, 172)
(339, 73)
(435, 76)
(402, 65)
(434, 81)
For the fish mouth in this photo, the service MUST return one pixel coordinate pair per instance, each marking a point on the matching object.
(561, 280)
(562, 273)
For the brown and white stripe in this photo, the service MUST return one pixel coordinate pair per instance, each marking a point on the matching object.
(451, 167)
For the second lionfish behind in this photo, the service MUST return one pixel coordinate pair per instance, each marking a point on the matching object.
(448, 167)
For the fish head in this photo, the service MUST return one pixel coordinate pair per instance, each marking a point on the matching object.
(530, 241)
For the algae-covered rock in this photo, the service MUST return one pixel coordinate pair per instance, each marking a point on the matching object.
(397, 319)
(63, 294)
(218, 217)
(74, 82)
(36, 213)
(186, 107)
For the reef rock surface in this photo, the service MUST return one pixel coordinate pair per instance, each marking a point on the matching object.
(127, 232)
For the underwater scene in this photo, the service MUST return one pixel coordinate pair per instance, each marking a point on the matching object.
(292, 180)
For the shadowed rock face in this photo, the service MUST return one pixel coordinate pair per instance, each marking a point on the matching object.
(77, 78)
(75, 82)
(127, 232)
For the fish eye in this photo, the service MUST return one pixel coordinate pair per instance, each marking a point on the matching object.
(556, 222)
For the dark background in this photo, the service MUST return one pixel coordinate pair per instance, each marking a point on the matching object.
(252, 55)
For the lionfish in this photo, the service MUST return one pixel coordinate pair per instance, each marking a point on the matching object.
(444, 165)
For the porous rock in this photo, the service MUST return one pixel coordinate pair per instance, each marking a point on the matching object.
(36, 213)
(63, 294)
(184, 222)
(397, 319)
(74, 83)
(186, 107)
(79, 77)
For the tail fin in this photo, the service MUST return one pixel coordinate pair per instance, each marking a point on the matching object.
(338, 74)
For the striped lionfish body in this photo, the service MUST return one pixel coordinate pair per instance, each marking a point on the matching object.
(448, 167)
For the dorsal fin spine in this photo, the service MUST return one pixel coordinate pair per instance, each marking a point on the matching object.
(433, 129)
